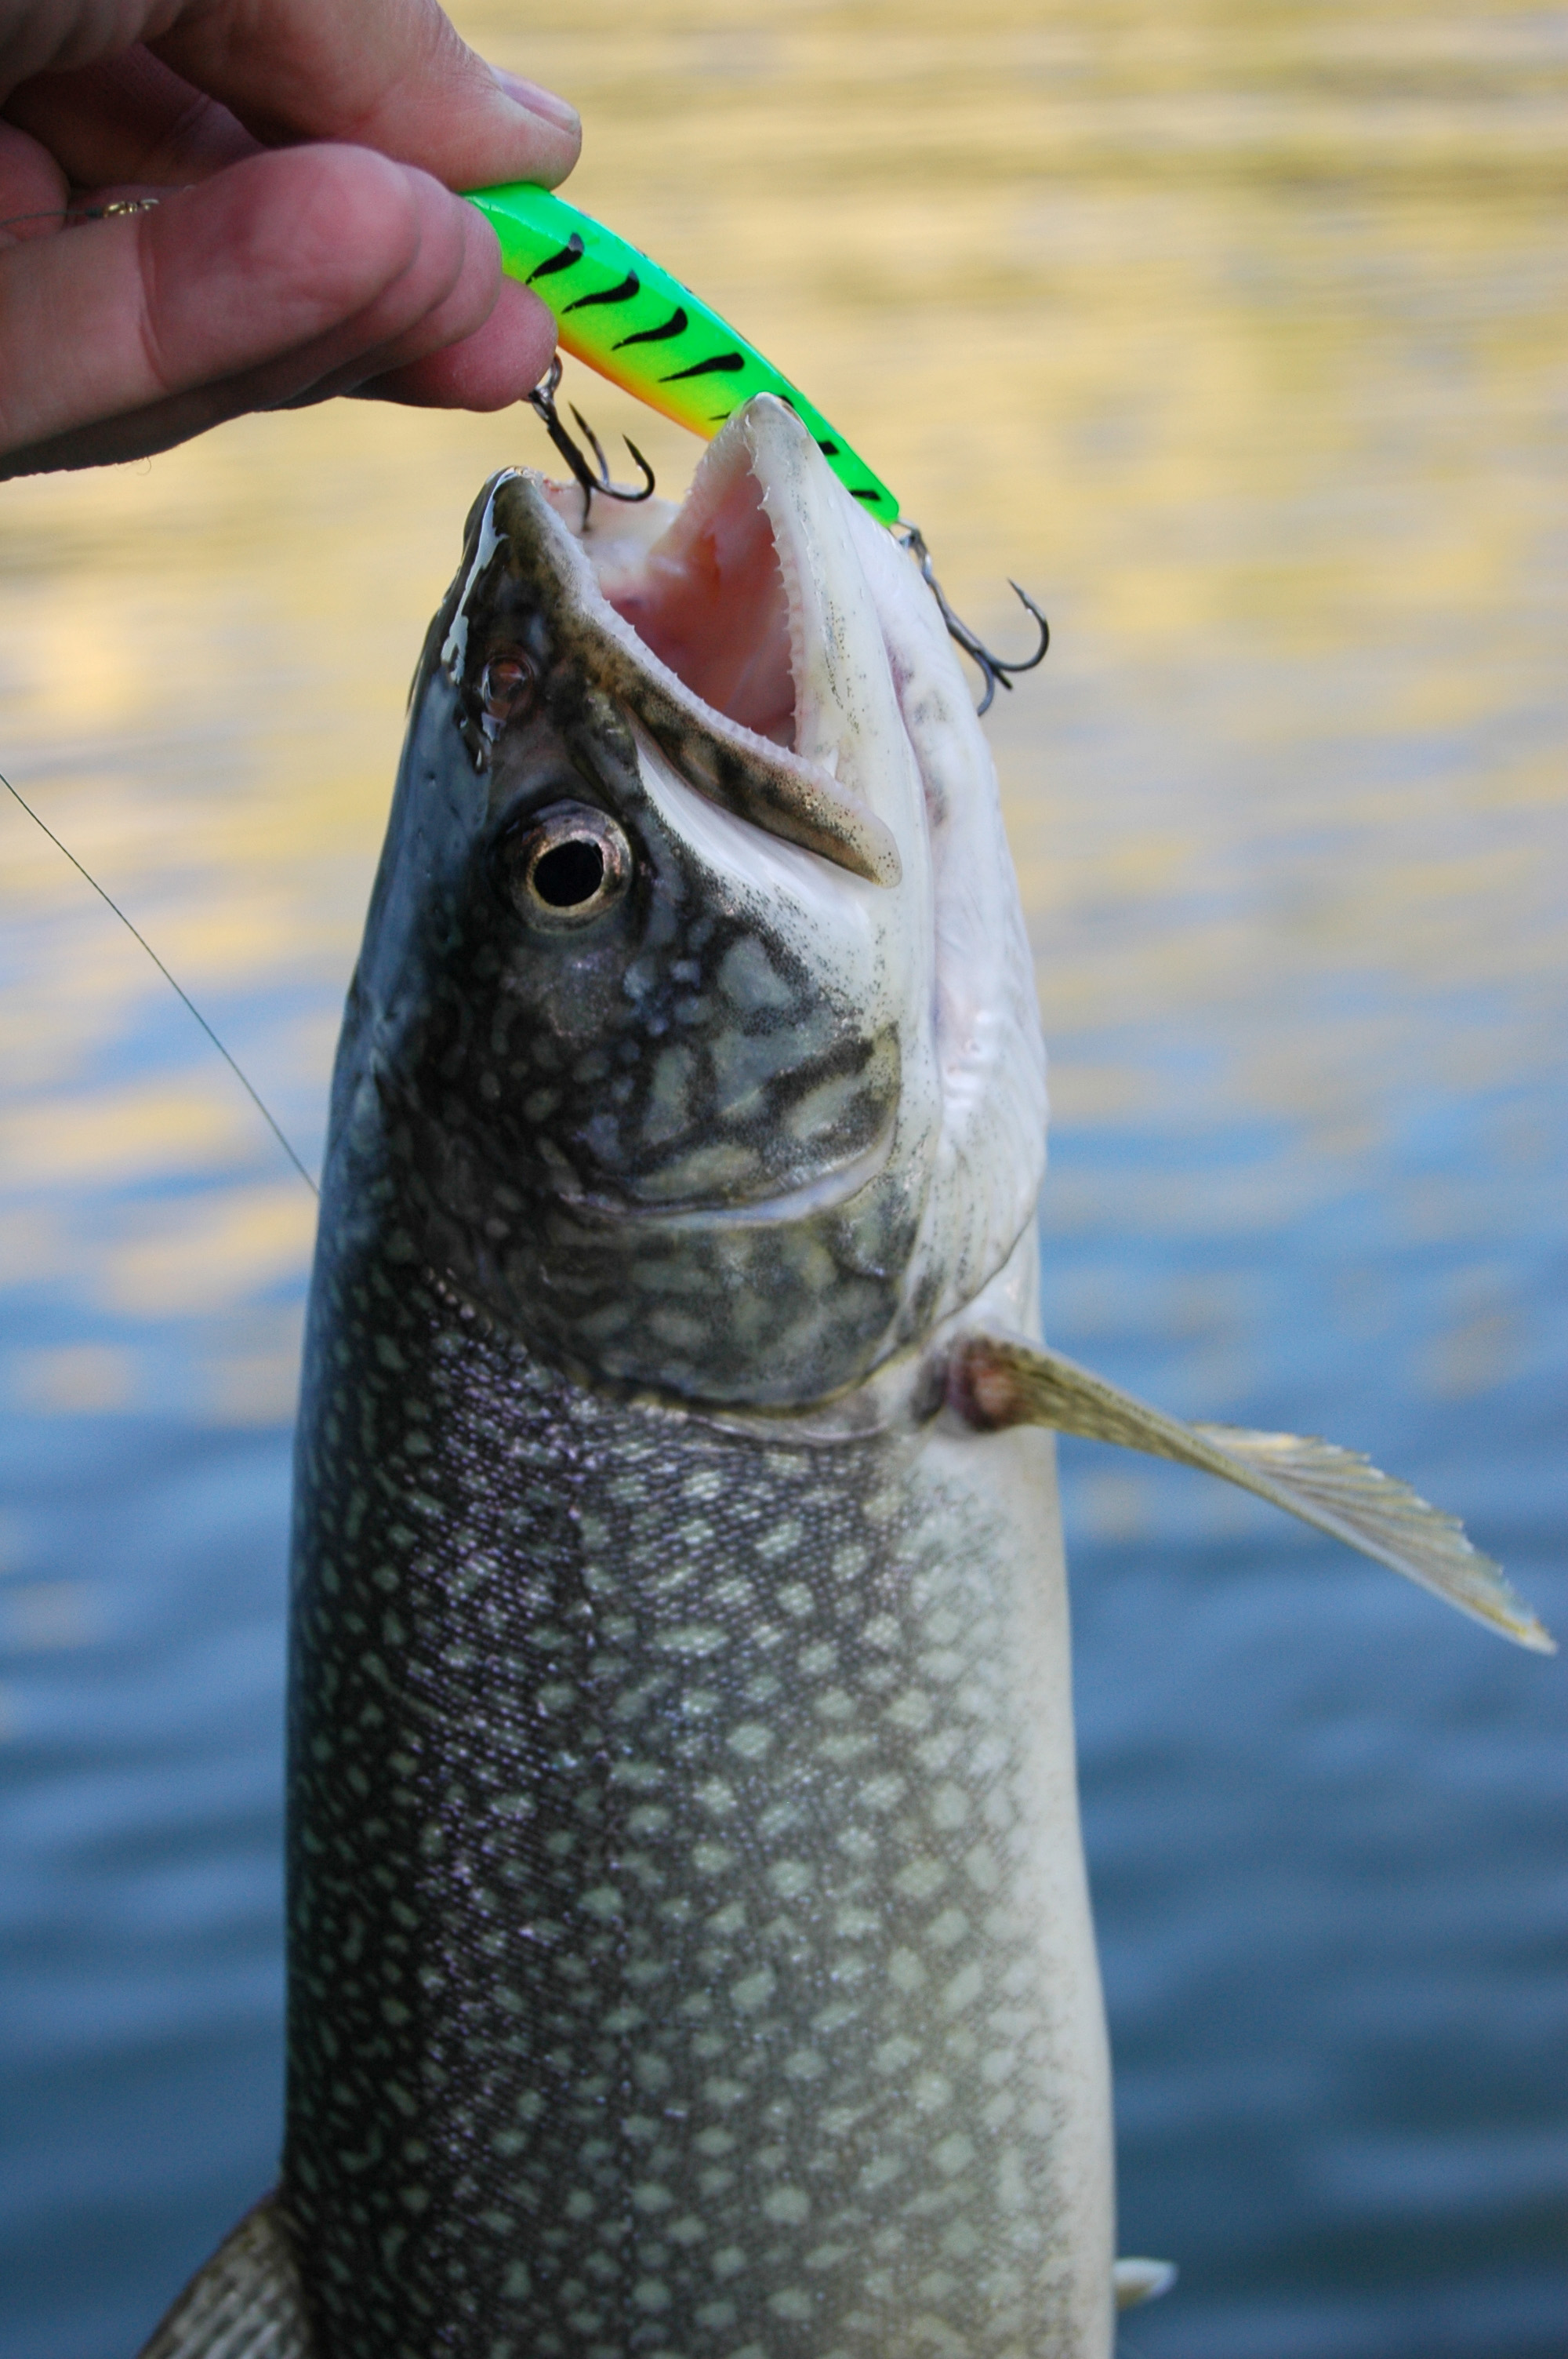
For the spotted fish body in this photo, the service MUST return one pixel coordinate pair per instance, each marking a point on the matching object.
(618, 310)
(690, 1943)
(690, 1948)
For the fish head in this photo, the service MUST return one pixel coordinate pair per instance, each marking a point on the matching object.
(694, 1036)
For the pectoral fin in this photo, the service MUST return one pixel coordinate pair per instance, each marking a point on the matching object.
(1139, 2280)
(995, 1381)
(246, 2303)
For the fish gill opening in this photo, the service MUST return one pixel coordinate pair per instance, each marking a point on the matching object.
(709, 600)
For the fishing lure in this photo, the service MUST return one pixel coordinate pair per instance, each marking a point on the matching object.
(627, 319)
(616, 309)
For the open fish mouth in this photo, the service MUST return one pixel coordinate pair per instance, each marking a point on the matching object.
(714, 625)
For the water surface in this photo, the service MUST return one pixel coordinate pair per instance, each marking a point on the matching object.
(1239, 333)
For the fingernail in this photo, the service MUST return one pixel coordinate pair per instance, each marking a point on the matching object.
(538, 100)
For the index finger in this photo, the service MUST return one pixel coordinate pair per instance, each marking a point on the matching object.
(389, 74)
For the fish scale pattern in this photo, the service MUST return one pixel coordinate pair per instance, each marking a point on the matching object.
(671, 1908)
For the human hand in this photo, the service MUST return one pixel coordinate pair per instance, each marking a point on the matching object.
(274, 269)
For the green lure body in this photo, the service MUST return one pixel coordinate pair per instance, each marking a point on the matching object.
(645, 331)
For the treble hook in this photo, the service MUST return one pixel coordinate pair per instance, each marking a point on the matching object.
(993, 668)
(543, 399)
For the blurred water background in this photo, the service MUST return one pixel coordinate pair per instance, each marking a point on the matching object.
(1238, 332)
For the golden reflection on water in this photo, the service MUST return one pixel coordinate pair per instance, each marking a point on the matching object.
(1237, 332)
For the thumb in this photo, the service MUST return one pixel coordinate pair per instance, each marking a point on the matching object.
(395, 76)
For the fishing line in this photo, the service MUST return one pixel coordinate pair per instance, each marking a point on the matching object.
(250, 1091)
(116, 209)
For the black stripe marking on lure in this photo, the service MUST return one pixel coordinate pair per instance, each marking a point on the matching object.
(705, 368)
(829, 450)
(569, 254)
(676, 325)
(630, 285)
(861, 495)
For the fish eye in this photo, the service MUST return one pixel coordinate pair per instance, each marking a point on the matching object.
(569, 866)
(506, 685)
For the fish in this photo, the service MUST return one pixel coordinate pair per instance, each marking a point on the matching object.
(690, 1943)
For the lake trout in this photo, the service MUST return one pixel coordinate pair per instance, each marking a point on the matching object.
(690, 1945)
